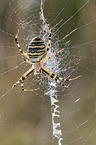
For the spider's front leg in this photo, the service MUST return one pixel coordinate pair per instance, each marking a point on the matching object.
(19, 47)
(21, 80)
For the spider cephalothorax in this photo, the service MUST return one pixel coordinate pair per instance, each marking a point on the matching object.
(35, 55)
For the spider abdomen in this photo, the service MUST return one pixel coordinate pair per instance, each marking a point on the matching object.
(36, 50)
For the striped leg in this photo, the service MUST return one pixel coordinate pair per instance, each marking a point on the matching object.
(48, 43)
(19, 44)
(53, 76)
(21, 80)
(69, 79)
(52, 55)
(27, 61)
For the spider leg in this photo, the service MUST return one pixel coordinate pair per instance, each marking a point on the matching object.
(21, 51)
(21, 80)
(52, 56)
(48, 43)
(53, 76)
(27, 61)
(69, 79)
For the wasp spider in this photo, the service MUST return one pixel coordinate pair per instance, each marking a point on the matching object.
(36, 54)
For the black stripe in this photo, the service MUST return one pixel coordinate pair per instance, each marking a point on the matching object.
(15, 39)
(50, 35)
(36, 43)
(23, 78)
(35, 48)
(57, 78)
(30, 56)
(20, 50)
(34, 56)
(29, 73)
(45, 72)
(36, 51)
(52, 75)
(62, 84)
(67, 79)
(37, 39)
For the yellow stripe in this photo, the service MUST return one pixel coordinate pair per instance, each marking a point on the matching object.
(37, 41)
(42, 46)
(35, 53)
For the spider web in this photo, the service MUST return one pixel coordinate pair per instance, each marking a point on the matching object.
(26, 117)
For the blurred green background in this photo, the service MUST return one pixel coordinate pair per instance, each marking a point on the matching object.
(25, 118)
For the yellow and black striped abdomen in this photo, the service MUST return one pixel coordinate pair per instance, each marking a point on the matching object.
(36, 50)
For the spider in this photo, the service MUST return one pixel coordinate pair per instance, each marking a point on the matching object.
(36, 57)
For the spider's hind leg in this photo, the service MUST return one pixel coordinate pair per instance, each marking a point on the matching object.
(56, 78)
(21, 80)
(53, 76)
(69, 79)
